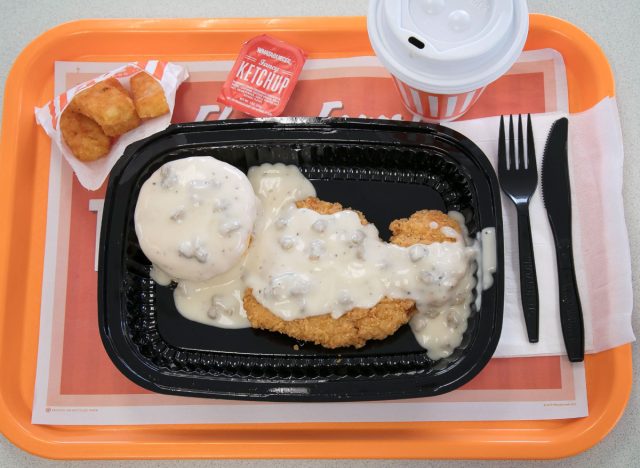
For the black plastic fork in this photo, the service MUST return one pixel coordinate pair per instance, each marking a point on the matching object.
(518, 176)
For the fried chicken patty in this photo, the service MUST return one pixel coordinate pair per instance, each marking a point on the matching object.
(358, 325)
(423, 227)
(354, 328)
(327, 208)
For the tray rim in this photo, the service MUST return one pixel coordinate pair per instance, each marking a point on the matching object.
(560, 438)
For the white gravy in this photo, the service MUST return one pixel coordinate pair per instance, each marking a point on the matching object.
(301, 264)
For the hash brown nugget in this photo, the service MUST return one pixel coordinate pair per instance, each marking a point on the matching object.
(108, 103)
(116, 84)
(148, 96)
(83, 136)
(354, 328)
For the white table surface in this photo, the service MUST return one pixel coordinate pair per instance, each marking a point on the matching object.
(610, 23)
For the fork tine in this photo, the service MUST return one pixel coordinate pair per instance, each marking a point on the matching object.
(531, 149)
(512, 147)
(521, 165)
(502, 151)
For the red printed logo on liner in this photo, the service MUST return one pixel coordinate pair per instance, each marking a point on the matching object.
(263, 77)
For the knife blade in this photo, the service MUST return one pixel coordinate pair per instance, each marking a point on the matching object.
(556, 193)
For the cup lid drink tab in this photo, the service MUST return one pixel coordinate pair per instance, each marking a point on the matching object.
(447, 47)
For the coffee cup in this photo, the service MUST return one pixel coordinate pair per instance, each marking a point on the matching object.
(443, 54)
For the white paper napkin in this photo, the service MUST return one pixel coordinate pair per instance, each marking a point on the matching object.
(601, 245)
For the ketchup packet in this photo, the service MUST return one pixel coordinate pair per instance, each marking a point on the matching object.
(263, 77)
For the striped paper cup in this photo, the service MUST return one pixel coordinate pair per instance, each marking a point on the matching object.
(432, 107)
(443, 54)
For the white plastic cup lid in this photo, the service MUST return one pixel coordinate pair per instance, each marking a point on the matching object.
(448, 46)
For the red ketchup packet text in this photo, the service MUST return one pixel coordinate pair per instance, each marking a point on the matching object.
(263, 77)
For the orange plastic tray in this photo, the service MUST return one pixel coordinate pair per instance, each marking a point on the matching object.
(24, 169)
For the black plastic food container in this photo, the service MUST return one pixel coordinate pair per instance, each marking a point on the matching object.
(386, 169)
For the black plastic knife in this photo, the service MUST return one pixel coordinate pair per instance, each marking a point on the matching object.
(556, 192)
